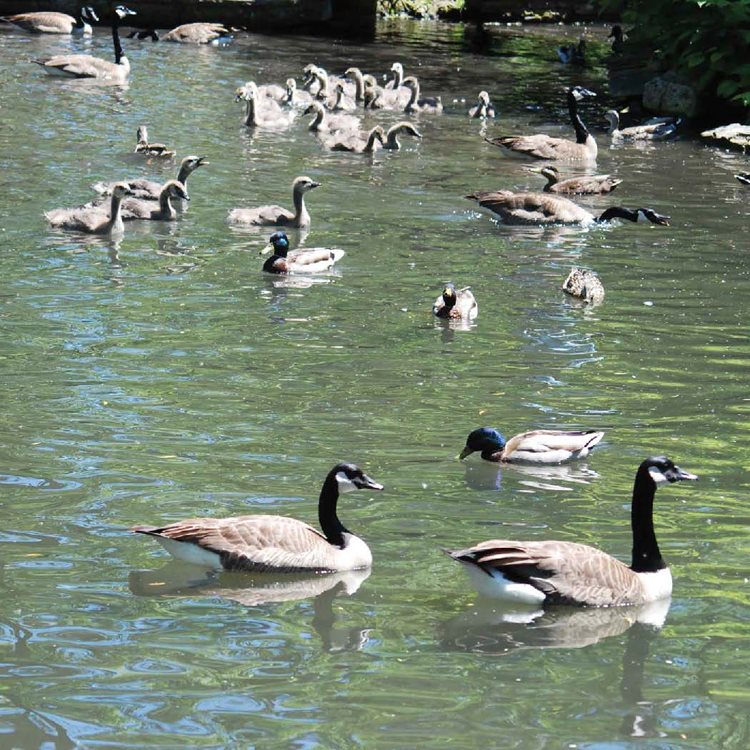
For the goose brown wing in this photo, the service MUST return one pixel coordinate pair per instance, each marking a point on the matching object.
(254, 543)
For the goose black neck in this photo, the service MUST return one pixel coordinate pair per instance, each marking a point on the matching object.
(327, 516)
(619, 212)
(646, 555)
(581, 132)
(80, 22)
(116, 38)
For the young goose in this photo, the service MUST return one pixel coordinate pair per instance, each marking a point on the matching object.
(135, 208)
(358, 79)
(268, 216)
(596, 184)
(312, 260)
(263, 543)
(573, 54)
(584, 284)
(541, 146)
(400, 128)
(556, 572)
(324, 122)
(151, 149)
(342, 102)
(743, 177)
(659, 131)
(535, 446)
(296, 97)
(429, 105)
(356, 143)
(150, 189)
(456, 304)
(87, 66)
(262, 112)
(483, 109)
(396, 77)
(199, 33)
(92, 219)
(545, 208)
(50, 22)
(151, 34)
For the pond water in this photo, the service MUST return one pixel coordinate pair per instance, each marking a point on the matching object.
(164, 376)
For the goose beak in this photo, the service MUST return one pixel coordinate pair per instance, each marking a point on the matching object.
(203, 161)
(680, 475)
(367, 483)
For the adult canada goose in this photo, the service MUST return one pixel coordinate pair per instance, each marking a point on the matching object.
(584, 284)
(429, 105)
(264, 543)
(484, 108)
(269, 216)
(595, 184)
(326, 122)
(573, 54)
(50, 22)
(151, 149)
(654, 132)
(557, 572)
(199, 33)
(356, 143)
(400, 128)
(150, 189)
(545, 208)
(136, 208)
(262, 112)
(311, 260)
(541, 146)
(535, 446)
(92, 219)
(743, 177)
(618, 39)
(151, 34)
(87, 66)
(456, 304)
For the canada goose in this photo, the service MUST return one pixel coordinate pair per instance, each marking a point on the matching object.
(271, 107)
(325, 122)
(355, 75)
(356, 143)
(586, 185)
(743, 177)
(396, 78)
(150, 189)
(260, 543)
(268, 216)
(342, 102)
(262, 112)
(50, 22)
(541, 146)
(295, 96)
(310, 82)
(584, 284)
(400, 128)
(136, 208)
(87, 66)
(151, 149)
(456, 304)
(311, 260)
(535, 446)
(199, 33)
(618, 39)
(429, 105)
(557, 572)
(483, 109)
(92, 219)
(573, 54)
(655, 132)
(545, 208)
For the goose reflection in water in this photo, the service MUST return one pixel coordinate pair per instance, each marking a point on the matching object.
(483, 475)
(256, 590)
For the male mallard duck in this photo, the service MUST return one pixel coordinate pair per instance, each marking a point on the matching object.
(658, 131)
(51, 22)
(92, 219)
(555, 572)
(484, 108)
(151, 149)
(545, 208)
(573, 54)
(456, 304)
(596, 184)
(268, 216)
(311, 260)
(584, 284)
(541, 146)
(261, 543)
(535, 446)
(199, 33)
(88, 66)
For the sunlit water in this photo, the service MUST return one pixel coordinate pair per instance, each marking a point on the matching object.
(164, 376)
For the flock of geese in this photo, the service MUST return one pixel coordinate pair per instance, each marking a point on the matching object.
(530, 572)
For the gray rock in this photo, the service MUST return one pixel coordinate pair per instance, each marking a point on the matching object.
(669, 97)
(734, 136)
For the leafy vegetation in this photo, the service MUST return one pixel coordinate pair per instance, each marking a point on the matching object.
(703, 39)
(420, 8)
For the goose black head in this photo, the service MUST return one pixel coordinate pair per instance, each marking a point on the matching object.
(486, 440)
(121, 11)
(661, 469)
(351, 477)
(579, 93)
(88, 13)
(649, 215)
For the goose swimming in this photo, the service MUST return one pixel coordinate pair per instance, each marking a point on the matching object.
(51, 22)
(277, 215)
(163, 210)
(430, 105)
(199, 33)
(92, 219)
(483, 109)
(596, 184)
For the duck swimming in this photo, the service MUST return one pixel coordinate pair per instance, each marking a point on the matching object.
(585, 285)
(312, 260)
(455, 304)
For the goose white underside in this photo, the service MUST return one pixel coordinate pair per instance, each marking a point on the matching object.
(190, 553)
(495, 585)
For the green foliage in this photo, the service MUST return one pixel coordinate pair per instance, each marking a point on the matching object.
(706, 40)
(419, 8)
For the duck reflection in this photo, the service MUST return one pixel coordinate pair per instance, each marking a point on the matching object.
(484, 475)
(255, 590)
